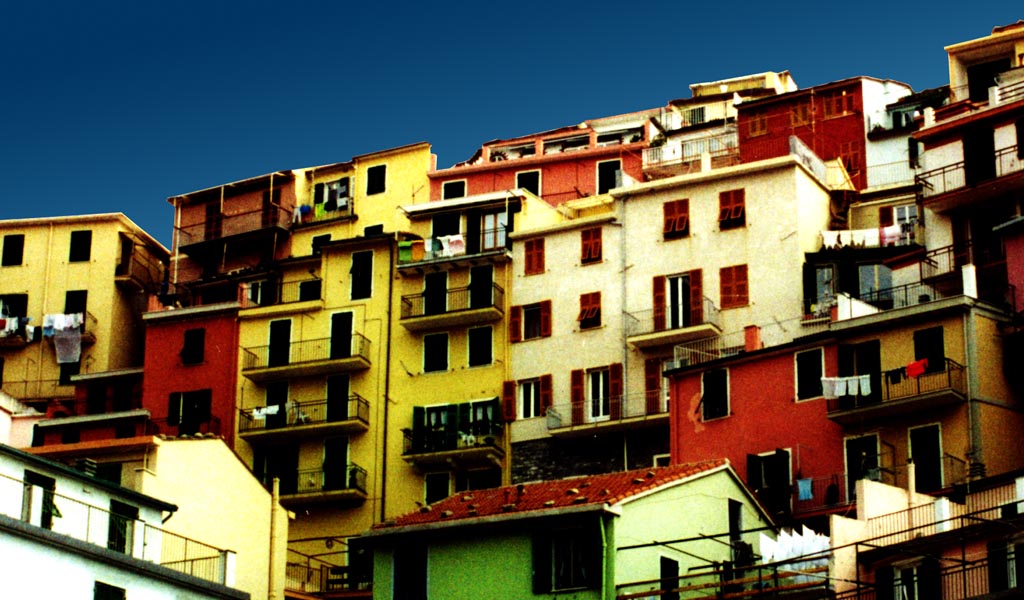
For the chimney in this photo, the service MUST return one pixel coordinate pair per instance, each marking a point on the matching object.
(752, 338)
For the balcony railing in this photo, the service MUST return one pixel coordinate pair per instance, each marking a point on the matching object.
(953, 177)
(654, 321)
(478, 434)
(896, 386)
(223, 226)
(774, 580)
(208, 426)
(820, 493)
(133, 537)
(453, 300)
(722, 148)
(452, 247)
(265, 293)
(901, 296)
(141, 270)
(734, 342)
(315, 575)
(304, 352)
(895, 173)
(299, 414)
(318, 481)
(607, 411)
(39, 389)
(902, 234)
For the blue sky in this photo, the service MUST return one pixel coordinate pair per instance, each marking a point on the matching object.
(112, 106)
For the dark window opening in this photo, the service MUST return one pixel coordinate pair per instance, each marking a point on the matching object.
(121, 526)
(930, 345)
(375, 179)
(189, 411)
(81, 246)
(435, 352)
(67, 371)
(194, 347)
(715, 397)
(480, 347)
(453, 189)
(590, 310)
(103, 591)
(529, 181)
(362, 274)
(410, 572)
(436, 487)
(609, 175)
(70, 436)
(808, 374)
(318, 243)
(14, 250)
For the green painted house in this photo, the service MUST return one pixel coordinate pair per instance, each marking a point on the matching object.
(573, 538)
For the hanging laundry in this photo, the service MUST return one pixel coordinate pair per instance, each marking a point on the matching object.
(841, 386)
(829, 238)
(804, 490)
(865, 385)
(67, 343)
(828, 388)
(895, 376)
(853, 385)
(917, 368)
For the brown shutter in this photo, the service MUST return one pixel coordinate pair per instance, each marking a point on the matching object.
(545, 394)
(725, 285)
(659, 303)
(652, 385)
(696, 298)
(515, 324)
(885, 216)
(615, 390)
(576, 395)
(545, 318)
(584, 245)
(508, 400)
(669, 224)
(742, 289)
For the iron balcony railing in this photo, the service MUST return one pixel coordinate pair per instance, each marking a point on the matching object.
(901, 296)
(734, 342)
(894, 385)
(476, 434)
(267, 293)
(953, 177)
(306, 351)
(820, 493)
(339, 571)
(300, 413)
(315, 481)
(226, 225)
(604, 410)
(450, 247)
(453, 300)
(668, 319)
(94, 525)
(719, 147)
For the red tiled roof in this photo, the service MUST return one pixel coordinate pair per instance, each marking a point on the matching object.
(605, 489)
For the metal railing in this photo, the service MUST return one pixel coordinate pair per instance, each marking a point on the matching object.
(38, 389)
(299, 413)
(452, 300)
(723, 145)
(335, 573)
(479, 434)
(820, 493)
(315, 481)
(133, 537)
(141, 266)
(100, 406)
(953, 177)
(734, 342)
(306, 351)
(628, 406)
(454, 246)
(274, 293)
(651, 321)
(901, 296)
(226, 225)
(773, 580)
(896, 385)
(894, 173)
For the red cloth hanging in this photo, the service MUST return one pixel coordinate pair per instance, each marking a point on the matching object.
(917, 368)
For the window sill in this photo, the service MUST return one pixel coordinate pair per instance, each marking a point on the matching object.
(586, 329)
(591, 263)
(712, 420)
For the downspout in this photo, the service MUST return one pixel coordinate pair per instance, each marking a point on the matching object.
(387, 380)
(974, 451)
(608, 561)
(623, 324)
(271, 573)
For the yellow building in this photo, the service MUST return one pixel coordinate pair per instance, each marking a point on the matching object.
(72, 291)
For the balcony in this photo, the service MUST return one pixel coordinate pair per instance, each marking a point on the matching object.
(277, 297)
(804, 578)
(472, 248)
(899, 395)
(309, 357)
(67, 516)
(890, 174)
(313, 486)
(749, 339)
(470, 444)
(297, 419)
(253, 225)
(661, 327)
(965, 182)
(902, 234)
(680, 157)
(139, 272)
(611, 414)
(453, 308)
(38, 390)
(338, 573)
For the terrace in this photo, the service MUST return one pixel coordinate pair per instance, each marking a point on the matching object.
(304, 358)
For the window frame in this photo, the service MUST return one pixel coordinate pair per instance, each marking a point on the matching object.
(598, 392)
(801, 113)
(13, 254)
(445, 184)
(533, 401)
(676, 219)
(540, 181)
(591, 250)
(193, 348)
(704, 416)
(757, 125)
(376, 179)
(533, 253)
(734, 291)
(80, 246)
(732, 209)
(599, 186)
(431, 354)
(590, 311)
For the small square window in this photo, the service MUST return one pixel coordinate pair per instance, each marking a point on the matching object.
(529, 181)
(590, 310)
(453, 189)
(590, 252)
(757, 125)
(435, 352)
(714, 400)
(436, 487)
(480, 348)
(14, 250)
(81, 246)
(375, 179)
(103, 591)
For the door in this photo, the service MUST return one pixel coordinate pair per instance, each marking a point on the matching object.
(926, 452)
(281, 462)
(279, 349)
(435, 293)
(277, 395)
(679, 301)
(337, 398)
(669, 575)
(34, 482)
(979, 155)
(929, 344)
(480, 286)
(335, 463)
(862, 461)
(121, 527)
(341, 335)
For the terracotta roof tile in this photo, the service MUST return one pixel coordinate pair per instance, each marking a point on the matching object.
(608, 488)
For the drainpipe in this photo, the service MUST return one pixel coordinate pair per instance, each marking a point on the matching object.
(383, 427)
(271, 568)
(975, 464)
(607, 561)
(622, 323)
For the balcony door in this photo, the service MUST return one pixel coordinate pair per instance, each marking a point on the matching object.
(335, 463)
(435, 293)
(864, 358)
(926, 452)
(281, 462)
(337, 398)
(979, 155)
(862, 461)
(481, 284)
(341, 335)
(121, 527)
(679, 291)
(279, 348)
(277, 395)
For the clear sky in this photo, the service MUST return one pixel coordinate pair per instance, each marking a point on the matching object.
(113, 106)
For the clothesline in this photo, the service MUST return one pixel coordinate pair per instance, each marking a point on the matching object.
(853, 385)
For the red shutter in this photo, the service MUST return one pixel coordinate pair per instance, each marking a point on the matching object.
(515, 324)
(669, 224)
(696, 298)
(885, 216)
(545, 318)
(652, 385)
(508, 400)
(659, 303)
(726, 290)
(595, 244)
(576, 395)
(545, 394)
(584, 245)
(740, 285)
(615, 390)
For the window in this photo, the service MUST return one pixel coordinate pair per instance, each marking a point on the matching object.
(678, 300)
(529, 398)
(590, 310)
(410, 572)
(69, 370)
(863, 358)
(121, 526)
(566, 559)
(103, 591)
(676, 219)
(76, 301)
(189, 411)
(714, 399)
(926, 451)
(362, 274)
(731, 209)
(1005, 565)
(193, 350)
(317, 243)
(436, 487)
(800, 114)
(734, 290)
(590, 242)
(310, 290)
(875, 285)
(81, 246)
(862, 461)
(757, 125)
(850, 154)
(435, 352)
(929, 344)
(694, 116)
(375, 179)
(769, 476)
(609, 175)
(526, 398)
(480, 351)
(529, 181)
(453, 189)
(331, 197)
(534, 250)
(493, 227)
(14, 250)
(915, 580)
(45, 498)
(838, 104)
(598, 392)
(530, 321)
(809, 371)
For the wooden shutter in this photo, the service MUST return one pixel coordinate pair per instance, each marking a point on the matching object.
(545, 318)
(515, 324)
(508, 401)
(669, 224)
(659, 303)
(741, 286)
(652, 385)
(696, 298)
(577, 395)
(615, 390)
(545, 394)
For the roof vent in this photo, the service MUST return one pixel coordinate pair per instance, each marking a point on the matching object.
(87, 466)
(425, 509)
(579, 500)
(571, 492)
(508, 507)
(445, 514)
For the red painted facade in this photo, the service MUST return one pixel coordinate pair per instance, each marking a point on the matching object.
(828, 118)
(166, 375)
